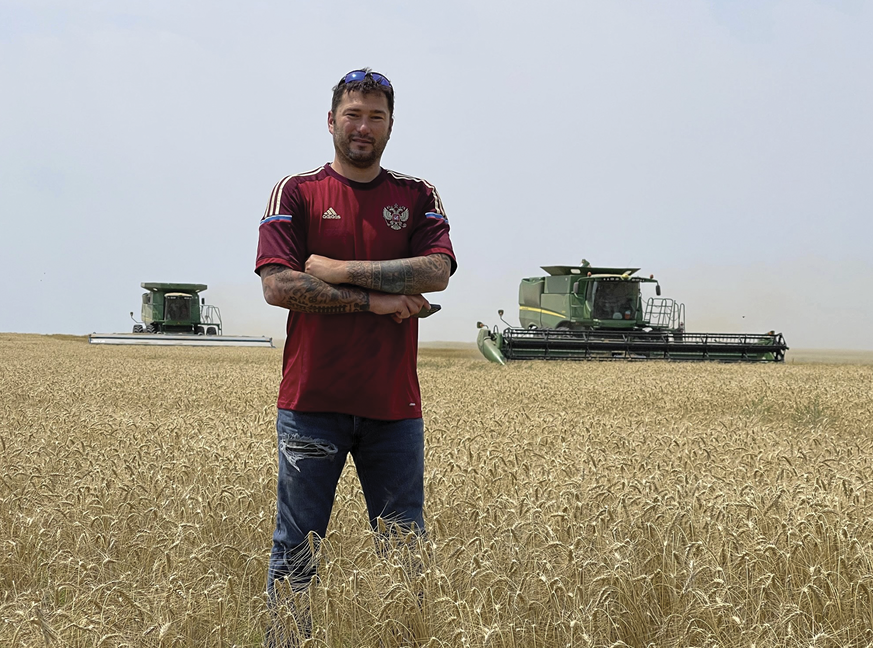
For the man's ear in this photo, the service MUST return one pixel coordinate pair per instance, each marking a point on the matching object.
(390, 126)
(330, 121)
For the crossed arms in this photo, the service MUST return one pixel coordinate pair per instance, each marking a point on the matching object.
(329, 286)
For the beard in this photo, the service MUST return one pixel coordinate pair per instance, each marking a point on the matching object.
(359, 159)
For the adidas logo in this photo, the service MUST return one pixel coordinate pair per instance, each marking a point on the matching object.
(330, 214)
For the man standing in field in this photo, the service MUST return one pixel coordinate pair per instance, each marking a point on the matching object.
(349, 249)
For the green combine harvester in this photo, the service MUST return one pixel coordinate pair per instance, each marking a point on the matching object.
(175, 308)
(588, 313)
(174, 314)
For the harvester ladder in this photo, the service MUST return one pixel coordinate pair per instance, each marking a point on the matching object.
(211, 315)
(664, 313)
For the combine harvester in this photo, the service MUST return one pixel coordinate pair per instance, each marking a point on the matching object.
(587, 313)
(174, 314)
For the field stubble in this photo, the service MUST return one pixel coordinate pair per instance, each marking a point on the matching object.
(593, 504)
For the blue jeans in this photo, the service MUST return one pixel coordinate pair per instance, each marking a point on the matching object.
(389, 459)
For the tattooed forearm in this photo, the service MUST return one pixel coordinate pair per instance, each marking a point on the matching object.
(402, 276)
(304, 293)
(311, 295)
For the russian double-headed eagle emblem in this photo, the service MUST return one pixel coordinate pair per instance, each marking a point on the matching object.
(396, 216)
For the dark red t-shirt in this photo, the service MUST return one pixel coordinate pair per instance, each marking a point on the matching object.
(356, 363)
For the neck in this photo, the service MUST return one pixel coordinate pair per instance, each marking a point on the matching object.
(355, 173)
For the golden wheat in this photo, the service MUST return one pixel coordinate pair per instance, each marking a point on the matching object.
(592, 504)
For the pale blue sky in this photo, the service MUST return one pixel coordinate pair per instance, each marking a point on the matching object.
(726, 147)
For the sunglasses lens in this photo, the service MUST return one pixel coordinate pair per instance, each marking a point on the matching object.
(360, 75)
(357, 75)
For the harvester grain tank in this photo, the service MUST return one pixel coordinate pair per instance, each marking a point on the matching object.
(174, 314)
(598, 313)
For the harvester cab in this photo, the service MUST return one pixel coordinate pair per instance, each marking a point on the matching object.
(584, 312)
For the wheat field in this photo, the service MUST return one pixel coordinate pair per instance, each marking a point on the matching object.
(590, 504)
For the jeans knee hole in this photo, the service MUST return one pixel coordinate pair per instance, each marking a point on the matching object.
(296, 448)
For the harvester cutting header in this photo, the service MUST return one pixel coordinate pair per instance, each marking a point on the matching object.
(597, 313)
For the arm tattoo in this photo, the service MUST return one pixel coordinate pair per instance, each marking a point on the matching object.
(402, 276)
(304, 293)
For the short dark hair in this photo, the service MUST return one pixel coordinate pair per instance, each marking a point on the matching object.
(367, 85)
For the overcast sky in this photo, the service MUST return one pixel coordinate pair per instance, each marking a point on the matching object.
(724, 146)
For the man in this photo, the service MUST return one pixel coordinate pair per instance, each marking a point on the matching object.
(349, 249)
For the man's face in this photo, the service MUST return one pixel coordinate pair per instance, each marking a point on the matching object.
(361, 128)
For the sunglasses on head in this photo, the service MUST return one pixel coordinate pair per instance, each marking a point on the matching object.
(360, 75)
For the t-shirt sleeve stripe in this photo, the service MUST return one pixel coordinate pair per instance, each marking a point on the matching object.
(276, 197)
(438, 203)
(278, 217)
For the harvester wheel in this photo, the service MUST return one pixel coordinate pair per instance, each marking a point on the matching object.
(137, 328)
(211, 330)
(200, 331)
(150, 328)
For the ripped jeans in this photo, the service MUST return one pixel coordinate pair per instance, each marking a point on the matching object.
(389, 459)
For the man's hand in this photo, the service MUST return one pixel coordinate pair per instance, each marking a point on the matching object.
(398, 307)
(328, 270)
